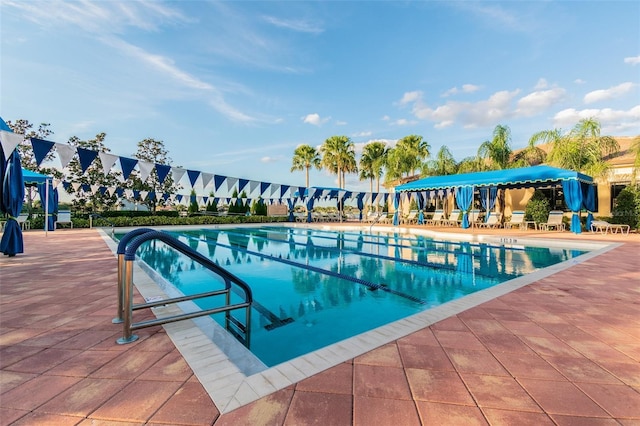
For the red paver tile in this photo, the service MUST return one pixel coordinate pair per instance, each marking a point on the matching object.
(83, 397)
(504, 342)
(581, 370)
(316, 408)
(47, 419)
(11, 354)
(8, 415)
(627, 372)
(36, 392)
(138, 401)
(190, 405)
(498, 417)
(383, 411)
(561, 398)
(11, 379)
(386, 355)
(550, 346)
(582, 421)
(83, 364)
(270, 410)
(528, 365)
(129, 365)
(425, 357)
(458, 339)
(478, 362)
(450, 324)
(618, 400)
(432, 413)
(482, 326)
(526, 328)
(338, 379)
(171, 367)
(43, 360)
(422, 337)
(438, 386)
(380, 382)
(499, 392)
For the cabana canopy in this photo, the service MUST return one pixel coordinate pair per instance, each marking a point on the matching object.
(508, 178)
(579, 189)
(32, 178)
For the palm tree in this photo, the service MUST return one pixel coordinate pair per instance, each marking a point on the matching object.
(373, 158)
(498, 149)
(581, 149)
(305, 157)
(443, 164)
(635, 149)
(339, 157)
(415, 150)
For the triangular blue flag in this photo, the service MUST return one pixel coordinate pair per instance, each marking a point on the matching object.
(283, 190)
(40, 149)
(218, 180)
(127, 165)
(193, 176)
(151, 195)
(264, 186)
(136, 194)
(165, 196)
(241, 184)
(86, 157)
(119, 192)
(162, 170)
(179, 197)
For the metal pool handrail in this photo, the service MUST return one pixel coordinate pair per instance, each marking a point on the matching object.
(130, 244)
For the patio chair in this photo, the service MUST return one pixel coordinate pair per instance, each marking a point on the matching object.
(492, 222)
(517, 219)
(454, 218)
(604, 227)
(474, 217)
(387, 219)
(23, 220)
(437, 219)
(554, 221)
(64, 217)
(411, 218)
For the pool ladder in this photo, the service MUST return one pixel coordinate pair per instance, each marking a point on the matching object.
(127, 248)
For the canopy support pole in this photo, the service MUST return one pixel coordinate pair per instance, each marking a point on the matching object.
(46, 207)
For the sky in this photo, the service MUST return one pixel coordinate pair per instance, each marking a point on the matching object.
(232, 88)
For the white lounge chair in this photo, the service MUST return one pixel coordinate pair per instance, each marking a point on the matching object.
(474, 217)
(604, 227)
(23, 220)
(492, 222)
(454, 218)
(412, 218)
(64, 217)
(554, 221)
(437, 219)
(517, 219)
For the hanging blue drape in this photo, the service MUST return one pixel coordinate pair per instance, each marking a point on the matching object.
(589, 201)
(573, 198)
(360, 201)
(51, 208)
(11, 204)
(310, 202)
(291, 202)
(420, 201)
(488, 197)
(464, 198)
(396, 214)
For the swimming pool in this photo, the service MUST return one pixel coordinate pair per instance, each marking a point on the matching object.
(315, 287)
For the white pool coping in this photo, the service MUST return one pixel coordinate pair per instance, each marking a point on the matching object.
(230, 387)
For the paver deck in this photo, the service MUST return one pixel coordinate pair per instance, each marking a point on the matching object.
(564, 350)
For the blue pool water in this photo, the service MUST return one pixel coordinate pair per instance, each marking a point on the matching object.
(326, 286)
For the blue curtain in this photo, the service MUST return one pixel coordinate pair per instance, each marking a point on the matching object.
(488, 197)
(420, 201)
(291, 202)
(11, 204)
(310, 202)
(360, 201)
(52, 208)
(589, 201)
(396, 214)
(573, 198)
(464, 199)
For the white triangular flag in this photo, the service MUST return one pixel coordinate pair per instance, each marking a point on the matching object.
(145, 169)
(65, 152)
(9, 142)
(107, 160)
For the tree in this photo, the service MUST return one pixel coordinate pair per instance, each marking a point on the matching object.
(581, 149)
(443, 164)
(372, 161)
(635, 150)
(339, 157)
(193, 203)
(472, 164)
(153, 151)
(498, 149)
(94, 197)
(406, 157)
(305, 157)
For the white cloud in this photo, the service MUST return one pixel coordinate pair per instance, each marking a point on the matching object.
(541, 84)
(299, 25)
(363, 134)
(466, 88)
(611, 121)
(268, 159)
(341, 123)
(537, 102)
(610, 93)
(410, 97)
(386, 118)
(314, 119)
(402, 122)
(579, 81)
(633, 60)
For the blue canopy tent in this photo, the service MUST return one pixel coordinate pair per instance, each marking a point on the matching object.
(48, 195)
(574, 184)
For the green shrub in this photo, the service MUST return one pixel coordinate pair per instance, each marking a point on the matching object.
(259, 208)
(627, 208)
(538, 208)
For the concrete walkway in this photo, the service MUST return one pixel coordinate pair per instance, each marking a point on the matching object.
(564, 350)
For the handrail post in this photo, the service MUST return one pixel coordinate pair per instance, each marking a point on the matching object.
(128, 337)
(118, 318)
